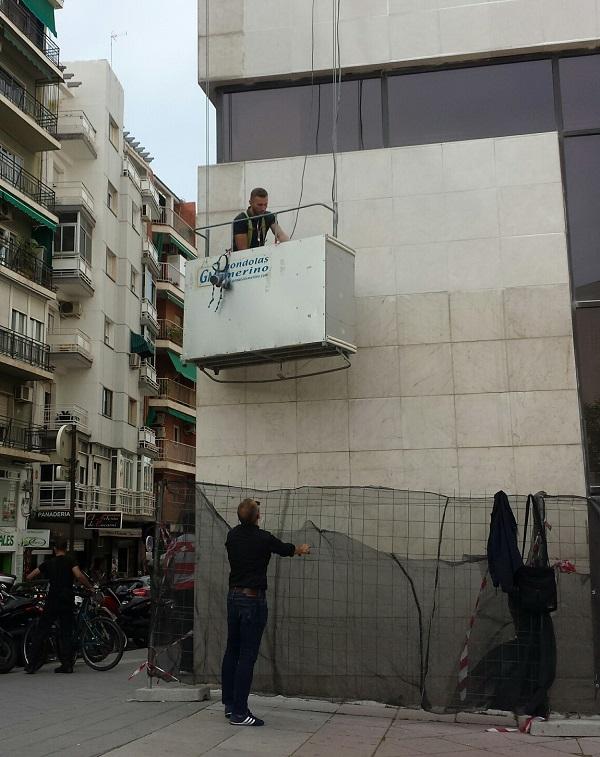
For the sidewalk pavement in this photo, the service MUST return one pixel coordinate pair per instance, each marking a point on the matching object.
(88, 714)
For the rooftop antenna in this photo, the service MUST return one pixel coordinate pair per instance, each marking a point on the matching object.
(113, 37)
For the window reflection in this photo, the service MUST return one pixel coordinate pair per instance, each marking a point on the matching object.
(582, 179)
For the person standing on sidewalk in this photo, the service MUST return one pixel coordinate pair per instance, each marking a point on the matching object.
(249, 550)
(60, 571)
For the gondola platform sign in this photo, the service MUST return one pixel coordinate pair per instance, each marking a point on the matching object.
(97, 519)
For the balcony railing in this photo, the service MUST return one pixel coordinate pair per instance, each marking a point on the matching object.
(71, 267)
(56, 416)
(27, 103)
(76, 123)
(26, 182)
(23, 348)
(22, 261)
(176, 452)
(150, 256)
(130, 170)
(149, 315)
(172, 275)
(170, 218)
(171, 331)
(35, 31)
(71, 341)
(149, 190)
(147, 441)
(173, 390)
(74, 193)
(28, 437)
(58, 494)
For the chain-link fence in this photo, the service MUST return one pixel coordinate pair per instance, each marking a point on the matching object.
(393, 604)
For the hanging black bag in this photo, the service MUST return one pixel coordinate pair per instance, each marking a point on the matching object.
(535, 581)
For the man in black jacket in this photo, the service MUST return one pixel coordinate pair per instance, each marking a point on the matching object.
(249, 550)
(60, 571)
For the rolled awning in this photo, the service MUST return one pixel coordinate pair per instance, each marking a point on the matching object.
(140, 345)
(20, 205)
(43, 11)
(151, 417)
(184, 369)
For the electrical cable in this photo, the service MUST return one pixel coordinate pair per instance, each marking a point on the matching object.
(312, 103)
(207, 123)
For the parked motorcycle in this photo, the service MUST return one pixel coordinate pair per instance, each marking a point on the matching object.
(16, 613)
(134, 619)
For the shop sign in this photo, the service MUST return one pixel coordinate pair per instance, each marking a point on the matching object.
(103, 519)
(35, 538)
(8, 539)
(121, 533)
(52, 515)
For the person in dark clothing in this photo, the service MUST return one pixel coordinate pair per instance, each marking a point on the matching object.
(249, 550)
(250, 227)
(60, 572)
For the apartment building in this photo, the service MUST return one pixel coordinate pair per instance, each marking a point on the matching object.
(114, 223)
(30, 75)
(173, 412)
(467, 182)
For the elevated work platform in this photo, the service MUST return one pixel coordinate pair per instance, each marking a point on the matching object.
(289, 301)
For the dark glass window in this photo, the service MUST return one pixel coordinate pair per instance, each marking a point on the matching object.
(587, 340)
(580, 92)
(274, 123)
(582, 178)
(471, 103)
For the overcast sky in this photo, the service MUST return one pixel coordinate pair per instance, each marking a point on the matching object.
(157, 65)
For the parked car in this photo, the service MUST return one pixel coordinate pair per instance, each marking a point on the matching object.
(128, 588)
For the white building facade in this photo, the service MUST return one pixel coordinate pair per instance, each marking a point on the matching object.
(466, 178)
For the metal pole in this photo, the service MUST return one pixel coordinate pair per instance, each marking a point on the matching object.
(156, 578)
(73, 472)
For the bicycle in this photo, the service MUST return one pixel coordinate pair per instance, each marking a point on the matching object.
(98, 639)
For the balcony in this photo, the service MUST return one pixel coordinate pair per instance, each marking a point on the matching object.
(76, 133)
(25, 182)
(57, 494)
(149, 316)
(168, 389)
(74, 194)
(171, 281)
(33, 29)
(56, 416)
(181, 233)
(24, 357)
(151, 199)
(173, 454)
(147, 382)
(130, 170)
(24, 262)
(71, 349)
(23, 114)
(72, 276)
(171, 336)
(147, 442)
(150, 257)
(18, 437)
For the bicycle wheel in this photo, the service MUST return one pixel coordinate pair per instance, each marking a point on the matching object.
(28, 638)
(102, 644)
(8, 653)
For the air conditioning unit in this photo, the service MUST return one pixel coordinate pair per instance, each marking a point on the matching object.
(134, 360)
(70, 309)
(160, 432)
(6, 211)
(24, 393)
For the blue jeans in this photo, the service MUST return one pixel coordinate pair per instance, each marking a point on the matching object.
(246, 621)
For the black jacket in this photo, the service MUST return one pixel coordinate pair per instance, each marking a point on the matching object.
(503, 553)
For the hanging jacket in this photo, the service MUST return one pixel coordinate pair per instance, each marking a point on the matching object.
(503, 553)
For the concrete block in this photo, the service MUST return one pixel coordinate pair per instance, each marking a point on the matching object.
(570, 727)
(169, 693)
